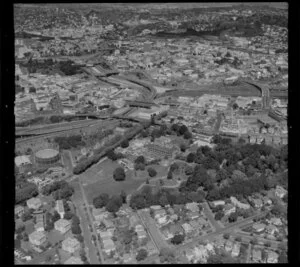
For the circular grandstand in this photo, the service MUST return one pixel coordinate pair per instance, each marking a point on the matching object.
(47, 156)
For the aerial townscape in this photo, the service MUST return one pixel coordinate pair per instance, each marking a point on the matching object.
(151, 133)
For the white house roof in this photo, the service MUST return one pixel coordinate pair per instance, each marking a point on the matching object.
(21, 160)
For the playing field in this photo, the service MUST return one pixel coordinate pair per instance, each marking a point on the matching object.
(99, 179)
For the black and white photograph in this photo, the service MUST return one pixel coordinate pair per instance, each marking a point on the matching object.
(151, 133)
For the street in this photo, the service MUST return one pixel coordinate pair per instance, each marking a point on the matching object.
(228, 229)
(153, 231)
(91, 221)
(210, 216)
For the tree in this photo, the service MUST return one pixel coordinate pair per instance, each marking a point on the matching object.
(182, 129)
(226, 236)
(166, 255)
(76, 229)
(80, 238)
(187, 135)
(20, 229)
(56, 216)
(232, 217)
(177, 239)
(125, 143)
(268, 244)
(140, 159)
(191, 157)
(182, 147)
(101, 200)
(219, 215)
(170, 175)
(68, 215)
(111, 155)
(26, 216)
(188, 170)
(163, 200)
(114, 204)
(254, 241)
(141, 255)
(123, 196)
(152, 172)
(139, 166)
(238, 239)
(119, 174)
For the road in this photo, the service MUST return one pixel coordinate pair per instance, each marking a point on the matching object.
(248, 237)
(227, 229)
(153, 231)
(210, 216)
(78, 202)
(91, 221)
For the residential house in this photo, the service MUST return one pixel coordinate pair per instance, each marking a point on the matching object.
(236, 250)
(194, 224)
(271, 229)
(167, 234)
(173, 217)
(259, 227)
(272, 257)
(228, 209)
(73, 260)
(108, 246)
(275, 221)
(162, 220)
(104, 235)
(159, 213)
(193, 215)
(129, 259)
(210, 248)
(37, 238)
(133, 220)
(70, 245)
(228, 246)
(239, 204)
(190, 255)
(266, 201)
(98, 214)
(34, 203)
(280, 191)
(193, 207)
(108, 223)
(150, 247)
(171, 211)
(217, 203)
(256, 255)
(202, 222)
(19, 211)
(175, 229)
(256, 202)
(62, 225)
(60, 208)
(187, 228)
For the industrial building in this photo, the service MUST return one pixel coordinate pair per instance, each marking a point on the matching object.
(47, 156)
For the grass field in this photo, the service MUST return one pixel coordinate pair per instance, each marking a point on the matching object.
(99, 179)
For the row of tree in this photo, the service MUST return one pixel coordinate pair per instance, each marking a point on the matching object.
(112, 204)
(69, 142)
